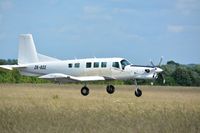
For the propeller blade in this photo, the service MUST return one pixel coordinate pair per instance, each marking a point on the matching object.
(152, 63)
(163, 78)
(160, 61)
(163, 81)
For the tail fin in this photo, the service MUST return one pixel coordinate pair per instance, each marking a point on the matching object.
(27, 51)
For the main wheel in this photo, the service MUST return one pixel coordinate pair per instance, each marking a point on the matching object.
(110, 89)
(85, 91)
(138, 92)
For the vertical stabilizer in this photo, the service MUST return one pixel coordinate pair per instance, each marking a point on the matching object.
(27, 51)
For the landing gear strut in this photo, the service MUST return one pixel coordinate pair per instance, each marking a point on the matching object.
(110, 89)
(85, 91)
(138, 92)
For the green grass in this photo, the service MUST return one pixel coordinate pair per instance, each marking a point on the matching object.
(39, 108)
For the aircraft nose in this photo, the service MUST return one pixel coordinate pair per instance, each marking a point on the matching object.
(159, 70)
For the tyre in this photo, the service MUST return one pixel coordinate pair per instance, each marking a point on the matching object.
(85, 91)
(110, 89)
(138, 92)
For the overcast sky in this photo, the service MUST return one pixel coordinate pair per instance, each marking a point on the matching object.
(138, 30)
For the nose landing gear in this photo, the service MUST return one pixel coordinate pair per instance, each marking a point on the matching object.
(138, 92)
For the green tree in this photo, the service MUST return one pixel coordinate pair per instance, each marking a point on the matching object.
(195, 77)
(182, 76)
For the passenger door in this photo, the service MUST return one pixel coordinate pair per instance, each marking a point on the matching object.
(116, 70)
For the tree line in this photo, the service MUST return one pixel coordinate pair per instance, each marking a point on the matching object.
(175, 74)
(184, 75)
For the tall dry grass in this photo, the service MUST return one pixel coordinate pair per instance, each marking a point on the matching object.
(33, 108)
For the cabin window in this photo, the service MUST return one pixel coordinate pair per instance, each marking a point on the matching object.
(115, 64)
(103, 64)
(96, 64)
(88, 65)
(70, 65)
(77, 65)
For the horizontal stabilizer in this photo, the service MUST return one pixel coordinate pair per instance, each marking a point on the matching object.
(68, 77)
(11, 67)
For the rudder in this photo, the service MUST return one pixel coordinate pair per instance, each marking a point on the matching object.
(27, 51)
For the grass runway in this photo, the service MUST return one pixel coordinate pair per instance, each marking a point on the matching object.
(40, 108)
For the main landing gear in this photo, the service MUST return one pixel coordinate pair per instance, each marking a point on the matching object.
(138, 92)
(85, 91)
(110, 89)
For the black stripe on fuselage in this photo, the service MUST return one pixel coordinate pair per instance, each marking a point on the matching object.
(141, 66)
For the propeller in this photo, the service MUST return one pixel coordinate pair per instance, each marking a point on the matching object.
(159, 64)
(158, 71)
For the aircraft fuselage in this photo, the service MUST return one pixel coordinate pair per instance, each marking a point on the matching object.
(105, 67)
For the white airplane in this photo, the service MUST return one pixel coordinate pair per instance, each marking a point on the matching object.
(31, 63)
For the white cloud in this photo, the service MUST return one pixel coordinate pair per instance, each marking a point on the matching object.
(175, 28)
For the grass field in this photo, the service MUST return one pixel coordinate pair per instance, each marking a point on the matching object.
(40, 108)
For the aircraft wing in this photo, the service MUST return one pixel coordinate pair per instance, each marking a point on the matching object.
(11, 67)
(60, 76)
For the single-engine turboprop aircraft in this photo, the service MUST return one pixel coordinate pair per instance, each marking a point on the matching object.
(31, 63)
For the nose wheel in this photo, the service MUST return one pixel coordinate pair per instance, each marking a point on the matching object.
(85, 91)
(138, 92)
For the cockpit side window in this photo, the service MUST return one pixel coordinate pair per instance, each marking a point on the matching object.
(124, 63)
